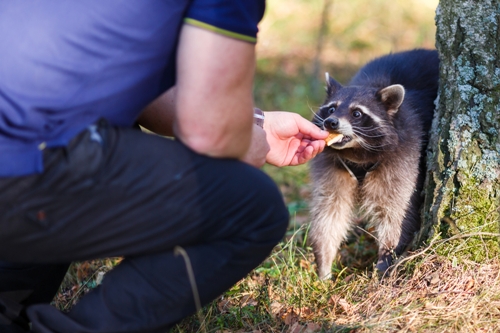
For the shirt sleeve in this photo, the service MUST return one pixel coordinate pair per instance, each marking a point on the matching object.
(232, 18)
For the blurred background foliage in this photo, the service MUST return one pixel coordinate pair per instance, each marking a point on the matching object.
(350, 33)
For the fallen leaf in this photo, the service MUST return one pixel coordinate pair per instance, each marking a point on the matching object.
(333, 299)
(305, 264)
(435, 278)
(296, 328)
(306, 313)
(312, 327)
(83, 270)
(275, 308)
(348, 278)
(290, 317)
(247, 300)
(345, 306)
(470, 284)
(223, 305)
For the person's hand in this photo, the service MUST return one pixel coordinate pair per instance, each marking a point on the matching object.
(293, 140)
(256, 154)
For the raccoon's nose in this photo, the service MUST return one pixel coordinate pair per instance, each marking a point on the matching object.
(331, 123)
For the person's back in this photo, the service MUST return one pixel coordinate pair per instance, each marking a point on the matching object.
(66, 64)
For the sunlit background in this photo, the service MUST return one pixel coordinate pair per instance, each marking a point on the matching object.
(299, 40)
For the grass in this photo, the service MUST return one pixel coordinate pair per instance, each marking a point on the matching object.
(426, 292)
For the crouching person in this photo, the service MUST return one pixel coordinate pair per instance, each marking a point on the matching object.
(78, 182)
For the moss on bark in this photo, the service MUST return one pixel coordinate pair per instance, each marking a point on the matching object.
(462, 193)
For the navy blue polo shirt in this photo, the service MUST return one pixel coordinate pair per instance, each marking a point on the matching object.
(65, 64)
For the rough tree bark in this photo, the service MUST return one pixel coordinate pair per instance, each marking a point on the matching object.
(462, 193)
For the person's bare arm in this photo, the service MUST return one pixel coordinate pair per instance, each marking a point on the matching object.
(158, 116)
(214, 103)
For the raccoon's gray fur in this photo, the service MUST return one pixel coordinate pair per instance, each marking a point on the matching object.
(377, 170)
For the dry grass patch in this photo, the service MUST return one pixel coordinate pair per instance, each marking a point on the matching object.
(427, 293)
(438, 296)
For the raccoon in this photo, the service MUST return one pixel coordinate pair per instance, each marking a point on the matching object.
(375, 168)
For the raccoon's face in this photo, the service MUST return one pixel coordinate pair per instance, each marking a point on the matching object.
(361, 115)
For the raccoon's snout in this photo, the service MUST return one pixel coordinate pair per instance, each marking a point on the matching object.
(332, 123)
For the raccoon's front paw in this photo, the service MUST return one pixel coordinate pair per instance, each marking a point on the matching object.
(384, 261)
(324, 272)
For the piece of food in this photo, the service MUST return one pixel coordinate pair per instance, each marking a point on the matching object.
(333, 138)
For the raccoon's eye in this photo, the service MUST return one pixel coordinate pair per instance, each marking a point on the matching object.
(331, 110)
(356, 114)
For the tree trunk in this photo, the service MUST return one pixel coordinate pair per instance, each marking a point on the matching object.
(322, 34)
(462, 193)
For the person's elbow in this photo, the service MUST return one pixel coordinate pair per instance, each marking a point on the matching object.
(225, 145)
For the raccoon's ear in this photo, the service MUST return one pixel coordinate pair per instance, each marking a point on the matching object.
(392, 97)
(332, 86)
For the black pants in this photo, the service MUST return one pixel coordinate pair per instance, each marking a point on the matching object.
(121, 192)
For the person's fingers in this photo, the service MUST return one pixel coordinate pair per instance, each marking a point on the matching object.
(310, 151)
(306, 155)
(319, 145)
(309, 129)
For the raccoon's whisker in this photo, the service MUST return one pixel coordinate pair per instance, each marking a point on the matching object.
(311, 108)
(363, 134)
(320, 125)
(379, 127)
(374, 149)
(369, 147)
(317, 120)
(362, 141)
(366, 129)
(317, 116)
(366, 135)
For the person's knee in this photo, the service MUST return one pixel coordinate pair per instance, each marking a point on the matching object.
(241, 201)
(268, 209)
